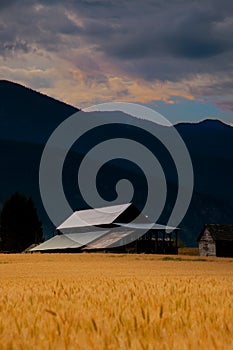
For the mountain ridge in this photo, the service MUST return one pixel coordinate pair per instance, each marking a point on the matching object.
(11, 84)
(24, 132)
(7, 83)
(213, 121)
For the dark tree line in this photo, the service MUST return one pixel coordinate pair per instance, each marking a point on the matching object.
(19, 224)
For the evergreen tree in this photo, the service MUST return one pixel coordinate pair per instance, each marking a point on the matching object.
(19, 224)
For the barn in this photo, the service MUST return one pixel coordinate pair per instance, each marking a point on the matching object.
(119, 228)
(216, 240)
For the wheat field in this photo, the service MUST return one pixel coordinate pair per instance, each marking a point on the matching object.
(97, 301)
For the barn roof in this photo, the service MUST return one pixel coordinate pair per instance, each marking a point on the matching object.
(146, 226)
(116, 237)
(97, 216)
(219, 232)
(70, 240)
(105, 216)
(100, 228)
(98, 239)
(56, 242)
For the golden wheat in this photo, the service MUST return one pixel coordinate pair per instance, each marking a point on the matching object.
(94, 301)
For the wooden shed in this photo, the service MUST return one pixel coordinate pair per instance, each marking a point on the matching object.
(216, 240)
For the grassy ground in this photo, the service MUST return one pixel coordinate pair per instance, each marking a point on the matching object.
(94, 301)
(188, 251)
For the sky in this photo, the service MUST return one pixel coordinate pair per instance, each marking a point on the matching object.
(174, 56)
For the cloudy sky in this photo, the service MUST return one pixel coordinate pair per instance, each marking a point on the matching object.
(175, 56)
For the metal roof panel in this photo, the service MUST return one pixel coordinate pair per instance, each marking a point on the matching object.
(91, 217)
(57, 242)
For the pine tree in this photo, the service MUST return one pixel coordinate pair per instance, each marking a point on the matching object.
(19, 224)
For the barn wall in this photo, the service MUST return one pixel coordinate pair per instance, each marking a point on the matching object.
(224, 249)
(207, 246)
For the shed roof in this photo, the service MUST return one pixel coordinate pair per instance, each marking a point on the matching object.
(219, 232)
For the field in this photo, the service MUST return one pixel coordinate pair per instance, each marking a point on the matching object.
(94, 301)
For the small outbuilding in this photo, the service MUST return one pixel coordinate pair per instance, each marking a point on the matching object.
(216, 240)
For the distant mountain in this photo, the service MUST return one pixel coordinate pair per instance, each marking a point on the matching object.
(29, 116)
(209, 137)
(27, 119)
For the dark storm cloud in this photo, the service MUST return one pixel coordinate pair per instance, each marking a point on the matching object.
(166, 37)
(25, 26)
(200, 35)
(7, 3)
(160, 40)
(16, 45)
(149, 39)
